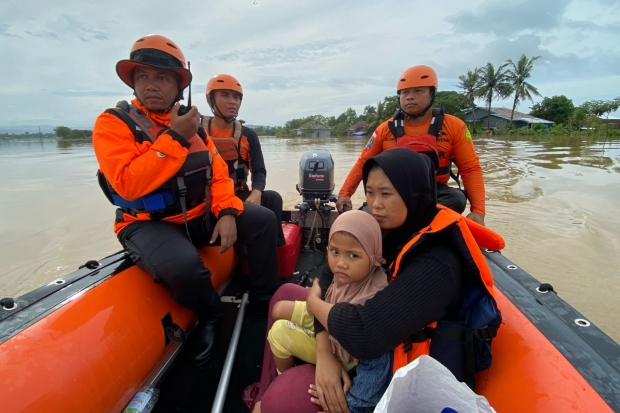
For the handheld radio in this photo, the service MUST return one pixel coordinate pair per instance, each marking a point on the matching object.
(184, 109)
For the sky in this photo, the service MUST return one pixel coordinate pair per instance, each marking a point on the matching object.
(296, 58)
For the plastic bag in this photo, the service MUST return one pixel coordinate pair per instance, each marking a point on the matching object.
(427, 386)
(250, 393)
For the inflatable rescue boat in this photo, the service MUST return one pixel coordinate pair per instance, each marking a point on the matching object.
(88, 342)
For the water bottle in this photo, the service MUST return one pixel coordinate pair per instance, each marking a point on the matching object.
(143, 401)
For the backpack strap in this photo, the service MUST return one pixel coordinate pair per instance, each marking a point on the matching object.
(237, 130)
(437, 121)
(135, 120)
(397, 124)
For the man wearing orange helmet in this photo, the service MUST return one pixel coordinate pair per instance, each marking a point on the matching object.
(239, 145)
(443, 137)
(173, 190)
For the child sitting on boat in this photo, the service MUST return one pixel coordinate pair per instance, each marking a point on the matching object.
(355, 259)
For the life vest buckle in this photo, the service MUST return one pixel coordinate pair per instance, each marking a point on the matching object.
(182, 189)
(486, 334)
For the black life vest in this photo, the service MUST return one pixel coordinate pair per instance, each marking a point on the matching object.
(426, 143)
(189, 187)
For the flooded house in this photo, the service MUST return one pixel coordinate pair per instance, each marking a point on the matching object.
(500, 118)
(314, 129)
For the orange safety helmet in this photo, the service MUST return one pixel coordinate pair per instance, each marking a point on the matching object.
(417, 76)
(154, 50)
(222, 82)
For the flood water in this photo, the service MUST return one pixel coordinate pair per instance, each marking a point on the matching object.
(556, 201)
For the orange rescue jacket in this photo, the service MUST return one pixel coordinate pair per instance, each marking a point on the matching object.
(454, 142)
(135, 168)
(234, 148)
(474, 240)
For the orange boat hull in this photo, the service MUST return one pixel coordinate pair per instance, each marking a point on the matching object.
(95, 351)
(529, 374)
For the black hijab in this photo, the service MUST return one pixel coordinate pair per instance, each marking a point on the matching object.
(413, 177)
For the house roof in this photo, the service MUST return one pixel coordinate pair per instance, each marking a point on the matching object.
(314, 125)
(360, 124)
(504, 113)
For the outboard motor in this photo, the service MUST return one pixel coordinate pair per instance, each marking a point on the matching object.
(316, 184)
(316, 175)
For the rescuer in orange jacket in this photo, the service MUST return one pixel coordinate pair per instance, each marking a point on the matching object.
(173, 190)
(239, 145)
(441, 136)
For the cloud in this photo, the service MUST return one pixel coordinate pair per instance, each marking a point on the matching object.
(86, 34)
(297, 58)
(64, 27)
(588, 26)
(509, 17)
(5, 31)
(81, 93)
(286, 54)
(44, 35)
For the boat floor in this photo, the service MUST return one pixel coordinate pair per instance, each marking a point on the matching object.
(187, 389)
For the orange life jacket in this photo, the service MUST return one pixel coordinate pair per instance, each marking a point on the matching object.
(426, 143)
(189, 187)
(469, 247)
(229, 149)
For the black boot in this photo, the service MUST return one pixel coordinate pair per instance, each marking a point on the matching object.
(204, 341)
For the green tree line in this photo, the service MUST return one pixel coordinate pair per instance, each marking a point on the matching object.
(26, 135)
(454, 102)
(509, 80)
(64, 132)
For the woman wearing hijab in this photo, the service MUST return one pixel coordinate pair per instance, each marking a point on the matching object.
(430, 273)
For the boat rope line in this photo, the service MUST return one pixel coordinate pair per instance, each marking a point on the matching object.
(312, 228)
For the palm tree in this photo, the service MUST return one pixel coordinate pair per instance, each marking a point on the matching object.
(517, 75)
(493, 81)
(470, 83)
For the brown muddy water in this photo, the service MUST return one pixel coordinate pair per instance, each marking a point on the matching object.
(556, 201)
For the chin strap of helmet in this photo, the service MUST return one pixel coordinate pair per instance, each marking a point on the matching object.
(217, 112)
(419, 115)
(179, 97)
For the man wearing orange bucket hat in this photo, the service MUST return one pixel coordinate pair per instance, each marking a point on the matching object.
(239, 145)
(173, 191)
(443, 137)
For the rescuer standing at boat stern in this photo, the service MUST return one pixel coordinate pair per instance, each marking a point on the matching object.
(443, 137)
(173, 189)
